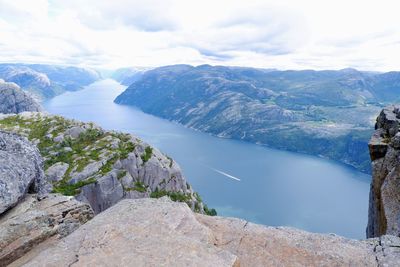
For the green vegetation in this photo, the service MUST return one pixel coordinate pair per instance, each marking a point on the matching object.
(140, 187)
(72, 189)
(210, 212)
(175, 196)
(121, 174)
(148, 152)
(171, 161)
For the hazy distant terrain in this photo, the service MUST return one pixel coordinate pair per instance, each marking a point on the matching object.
(46, 81)
(326, 113)
(127, 76)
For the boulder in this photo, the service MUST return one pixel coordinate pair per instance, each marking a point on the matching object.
(20, 170)
(33, 222)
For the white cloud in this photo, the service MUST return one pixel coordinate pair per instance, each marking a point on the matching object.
(279, 34)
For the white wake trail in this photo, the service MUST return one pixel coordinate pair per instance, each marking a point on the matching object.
(226, 174)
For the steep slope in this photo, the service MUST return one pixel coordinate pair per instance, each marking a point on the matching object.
(384, 146)
(327, 113)
(14, 100)
(47, 81)
(101, 167)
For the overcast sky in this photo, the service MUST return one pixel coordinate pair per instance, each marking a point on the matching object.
(284, 34)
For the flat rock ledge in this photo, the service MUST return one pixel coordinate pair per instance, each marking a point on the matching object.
(159, 232)
(33, 222)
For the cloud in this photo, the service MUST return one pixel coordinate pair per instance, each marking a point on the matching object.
(288, 34)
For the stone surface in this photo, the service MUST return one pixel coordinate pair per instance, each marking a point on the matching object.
(143, 232)
(384, 203)
(56, 172)
(20, 170)
(257, 245)
(159, 232)
(14, 100)
(34, 221)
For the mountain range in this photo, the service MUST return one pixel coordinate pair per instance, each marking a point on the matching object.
(326, 113)
(47, 81)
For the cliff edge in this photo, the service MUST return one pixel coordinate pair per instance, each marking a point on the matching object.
(384, 202)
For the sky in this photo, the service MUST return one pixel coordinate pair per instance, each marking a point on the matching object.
(284, 34)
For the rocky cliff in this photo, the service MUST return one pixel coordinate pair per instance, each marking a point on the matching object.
(101, 167)
(149, 232)
(14, 100)
(384, 203)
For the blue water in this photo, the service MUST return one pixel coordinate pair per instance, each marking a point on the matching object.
(276, 188)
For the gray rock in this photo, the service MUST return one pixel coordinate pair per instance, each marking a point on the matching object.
(74, 132)
(14, 100)
(33, 222)
(106, 192)
(150, 232)
(56, 172)
(143, 232)
(20, 170)
(384, 208)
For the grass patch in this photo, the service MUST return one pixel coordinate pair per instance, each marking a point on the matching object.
(121, 174)
(148, 152)
(72, 189)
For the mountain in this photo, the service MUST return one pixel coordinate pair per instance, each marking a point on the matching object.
(15, 100)
(127, 76)
(324, 113)
(47, 81)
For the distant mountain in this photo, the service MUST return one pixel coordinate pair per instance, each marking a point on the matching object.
(127, 76)
(325, 113)
(47, 81)
(15, 100)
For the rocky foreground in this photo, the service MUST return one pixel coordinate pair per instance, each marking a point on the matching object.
(159, 232)
(73, 194)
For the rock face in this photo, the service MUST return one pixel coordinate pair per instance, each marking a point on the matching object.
(20, 170)
(34, 222)
(14, 100)
(384, 203)
(150, 232)
(101, 167)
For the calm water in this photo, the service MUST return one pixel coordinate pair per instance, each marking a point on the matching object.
(275, 187)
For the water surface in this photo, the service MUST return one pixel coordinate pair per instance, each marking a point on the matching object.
(239, 179)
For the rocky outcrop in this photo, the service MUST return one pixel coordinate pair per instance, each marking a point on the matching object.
(384, 203)
(36, 222)
(149, 232)
(101, 167)
(20, 170)
(14, 100)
